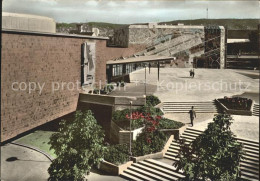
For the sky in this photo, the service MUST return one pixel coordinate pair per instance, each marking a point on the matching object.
(132, 11)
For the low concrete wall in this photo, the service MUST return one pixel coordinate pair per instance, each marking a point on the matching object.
(113, 169)
(120, 136)
(233, 111)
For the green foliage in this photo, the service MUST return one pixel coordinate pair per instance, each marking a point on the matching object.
(214, 155)
(78, 145)
(117, 154)
(165, 123)
(153, 100)
(141, 146)
(150, 109)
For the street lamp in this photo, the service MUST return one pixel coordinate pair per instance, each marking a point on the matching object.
(130, 126)
(145, 80)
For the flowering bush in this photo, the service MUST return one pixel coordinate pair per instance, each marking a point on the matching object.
(151, 140)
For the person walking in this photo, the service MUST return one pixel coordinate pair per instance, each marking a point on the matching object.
(192, 115)
(193, 73)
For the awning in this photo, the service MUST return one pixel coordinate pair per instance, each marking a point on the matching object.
(140, 59)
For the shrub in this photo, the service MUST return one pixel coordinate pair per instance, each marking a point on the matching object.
(153, 100)
(117, 154)
(151, 140)
(109, 88)
(214, 155)
(78, 145)
(150, 109)
(155, 143)
(170, 124)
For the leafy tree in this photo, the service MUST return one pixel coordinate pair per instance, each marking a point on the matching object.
(78, 145)
(214, 155)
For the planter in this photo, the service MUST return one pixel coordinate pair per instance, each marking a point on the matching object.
(154, 155)
(234, 111)
(113, 169)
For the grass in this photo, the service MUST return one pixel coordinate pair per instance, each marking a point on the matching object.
(38, 139)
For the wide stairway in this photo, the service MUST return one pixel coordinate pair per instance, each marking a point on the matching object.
(184, 107)
(255, 110)
(249, 165)
(150, 169)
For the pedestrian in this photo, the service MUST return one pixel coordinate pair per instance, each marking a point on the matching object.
(192, 115)
(190, 72)
(193, 73)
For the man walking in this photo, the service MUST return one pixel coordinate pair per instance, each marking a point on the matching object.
(192, 115)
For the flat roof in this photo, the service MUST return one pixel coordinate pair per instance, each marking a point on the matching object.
(52, 34)
(238, 40)
(139, 59)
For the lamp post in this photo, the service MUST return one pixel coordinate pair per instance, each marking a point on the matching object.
(145, 80)
(131, 99)
(130, 141)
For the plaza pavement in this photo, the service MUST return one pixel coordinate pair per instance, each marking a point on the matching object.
(23, 164)
(176, 85)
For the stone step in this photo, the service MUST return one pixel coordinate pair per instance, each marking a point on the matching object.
(250, 166)
(171, 154)
(164, 165)
(129, 177)
(195, 130)
(170, 150)
(146, 173)
(171, 158)
(153, 171)
(168, 172)
(247, 146)
(246, 169)
(248, 175)
(136, 174)
(248, 142)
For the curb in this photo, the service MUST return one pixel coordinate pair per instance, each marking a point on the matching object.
(35, 149)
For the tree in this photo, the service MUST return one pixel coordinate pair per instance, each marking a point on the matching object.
(78, 145)
(213, 155)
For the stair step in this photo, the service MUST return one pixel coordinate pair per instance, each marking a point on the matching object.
(146, 173)
(248, 141)
(246, 169)
(129, 177)
(136, 174)
(250, 166)
(249, 175)
(195, 130)
(171, 154)
(170, 173)
(171, 158)
(176, 151)
(164, 165)
(153, 171)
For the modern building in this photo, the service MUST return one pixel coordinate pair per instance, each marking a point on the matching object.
(191, 46)
(42, 71)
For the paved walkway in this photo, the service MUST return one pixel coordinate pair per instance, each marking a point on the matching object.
(246, 127)
(23, 164)
(208, 84)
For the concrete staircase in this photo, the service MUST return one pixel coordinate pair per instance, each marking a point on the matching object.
(255, 110)
(150, 169)
(249, 165)
(184, 107)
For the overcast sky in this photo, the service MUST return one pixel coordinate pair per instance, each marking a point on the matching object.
(132, 11)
